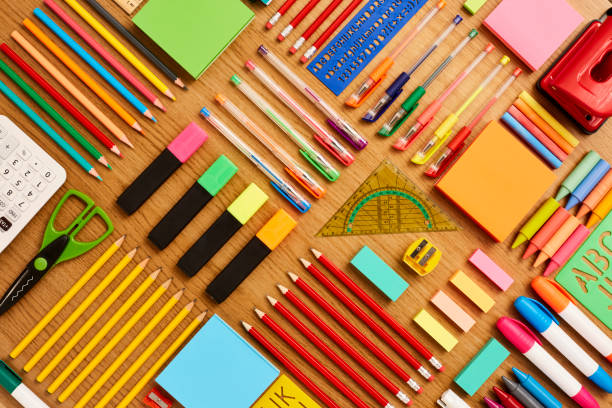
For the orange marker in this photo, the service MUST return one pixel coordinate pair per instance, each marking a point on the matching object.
(601, 210)
(595, 196)
(546, 232)
(558, 238)
(543, 125)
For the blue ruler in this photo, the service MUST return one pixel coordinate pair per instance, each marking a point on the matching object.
(361, 40)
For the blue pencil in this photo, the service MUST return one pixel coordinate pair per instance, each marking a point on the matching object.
(48, 130)
(93, 63)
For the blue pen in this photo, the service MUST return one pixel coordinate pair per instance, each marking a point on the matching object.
(531, 140)
(93, 63)
(588, 183)
(542, 320)
(395, 89)
(536, 390)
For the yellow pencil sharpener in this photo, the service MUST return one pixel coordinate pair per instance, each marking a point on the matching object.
(422, 257)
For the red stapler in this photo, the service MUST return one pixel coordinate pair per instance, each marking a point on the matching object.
(580, 81)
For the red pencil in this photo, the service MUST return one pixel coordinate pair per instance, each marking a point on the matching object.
(297, 19)
(376, 308)
(348, 349)
(374, 349)
(506, 399)
(292, 368)
(364, 317)
(97, 133)
(282, 10)
(330, 30)
(315, 25)
(312, 360)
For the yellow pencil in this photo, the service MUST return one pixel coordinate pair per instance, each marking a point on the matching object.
(121, 49)
(144, 380)
(104, 331)
(78, 285)
(129, 349)
(108, 347)
(133, 368)
(93, 319)
(93, 295)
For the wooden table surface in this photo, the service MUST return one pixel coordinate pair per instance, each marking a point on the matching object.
(456, 246)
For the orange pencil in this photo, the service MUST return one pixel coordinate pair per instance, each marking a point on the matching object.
(595, 196)
(544, 127)
(82, 75)
(546, 232)
(557, 239)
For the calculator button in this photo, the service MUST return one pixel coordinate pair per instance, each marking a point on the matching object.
(48, 175)
(18, 183)
(36, 163)
(38, 183)
(30, 195)
(15, 162)
(9, 192)
(24, 153)
(22, 204)
(3, 133)
(13, 214)
(28, 173)
(5, 224)
(7, 147)
(6, 172)
(3, 204)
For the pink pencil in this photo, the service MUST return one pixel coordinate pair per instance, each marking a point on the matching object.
(112, 61)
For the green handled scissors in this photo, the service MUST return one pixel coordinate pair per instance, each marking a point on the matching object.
(57, 246)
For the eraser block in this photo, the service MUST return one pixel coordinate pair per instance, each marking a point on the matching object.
(482, 366)
(452, 310)
(491, 270)
(435, 330)
(187, 142)
(379, 273)
(472, 291)
(472, 6)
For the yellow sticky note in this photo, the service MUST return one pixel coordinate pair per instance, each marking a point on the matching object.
(472, 291)
(435, 330)
(284, 393)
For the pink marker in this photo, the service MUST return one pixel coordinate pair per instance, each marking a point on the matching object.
(567, 249)
(528, 344)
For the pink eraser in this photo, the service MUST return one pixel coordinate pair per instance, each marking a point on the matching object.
(491, 270)
(187, 142)
(452, 310)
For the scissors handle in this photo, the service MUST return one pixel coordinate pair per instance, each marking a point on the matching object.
(33, 272)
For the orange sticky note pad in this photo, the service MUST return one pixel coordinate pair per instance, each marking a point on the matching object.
(496, 181)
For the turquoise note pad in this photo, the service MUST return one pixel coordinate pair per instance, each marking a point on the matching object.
(482, 366)
(379, 273)
(217, 368)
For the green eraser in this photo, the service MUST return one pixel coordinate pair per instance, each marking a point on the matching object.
(379, 273)
(247, 203)
(473, 5)
(217, 175)
(482, 366)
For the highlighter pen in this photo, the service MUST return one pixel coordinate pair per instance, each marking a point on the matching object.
(430, 112)
(11, 382)
(543, 321)
(339, 124)
(539, 218)
(583, 168)
(456, 145)
(233, 218)
(507, 400)
(321, 135)
(560, 301)
(536, 390)
(412, 102)
(396, 88)
(252, 254)
(588, 184)
(446, 127)
(279, 184)
(521, 394)
(291, 166)
(316, 159)
(379, 74)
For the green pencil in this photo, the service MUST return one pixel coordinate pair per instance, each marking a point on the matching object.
(54, 114)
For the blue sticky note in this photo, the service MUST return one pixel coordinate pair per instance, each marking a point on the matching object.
(217, 368)
(379, 273)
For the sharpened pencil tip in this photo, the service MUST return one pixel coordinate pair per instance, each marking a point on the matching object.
(272, 300)
(293, 276)
(317, 254)
(305, 263)
(259, 313)
(246, 326)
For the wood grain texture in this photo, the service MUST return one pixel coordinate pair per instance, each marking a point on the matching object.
(456, 246)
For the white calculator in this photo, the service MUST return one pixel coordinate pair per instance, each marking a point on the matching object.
(28, 179)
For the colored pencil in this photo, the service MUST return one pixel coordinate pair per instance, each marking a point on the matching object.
(82, 119)
(365, 318)
(48, 130)
(315, 25)
(376, 308)
(136, 43)
(298, 19)
(71, 88)
(282, 10)
(94, 64)
(59, 119)
(120, 48)
(107, 56)
(81, 74)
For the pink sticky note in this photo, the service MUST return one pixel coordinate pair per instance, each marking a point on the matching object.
(533, 29)
(491, 270)
(452, 310)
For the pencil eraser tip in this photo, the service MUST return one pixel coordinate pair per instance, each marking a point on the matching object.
(420, 391)
(441, 369)
(431, 378)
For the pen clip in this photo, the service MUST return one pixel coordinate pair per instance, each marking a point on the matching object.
(331, 150)
(301, 183)
(277, 188)
(394, 90)
(542, 308)
(318, 166)
(380, 73)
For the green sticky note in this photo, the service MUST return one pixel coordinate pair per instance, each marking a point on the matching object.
(481, 366)
(379, 273)
(193, 32)
(217, 175)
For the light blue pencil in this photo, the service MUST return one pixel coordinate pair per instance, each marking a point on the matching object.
(48, 130)
(93, 63)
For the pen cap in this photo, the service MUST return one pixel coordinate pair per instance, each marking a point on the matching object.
(276, 229)
(538, 316)
(247, 203)
(9, 380)
(217, 175)
(449, 399)
(517, 333)
(551, 293)
(187, 142)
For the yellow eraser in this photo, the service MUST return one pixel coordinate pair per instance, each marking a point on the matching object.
(435, 329)
(284, 393)
(472, 291)
(276, 229)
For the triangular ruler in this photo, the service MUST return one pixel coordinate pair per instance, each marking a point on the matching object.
(387, 203)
